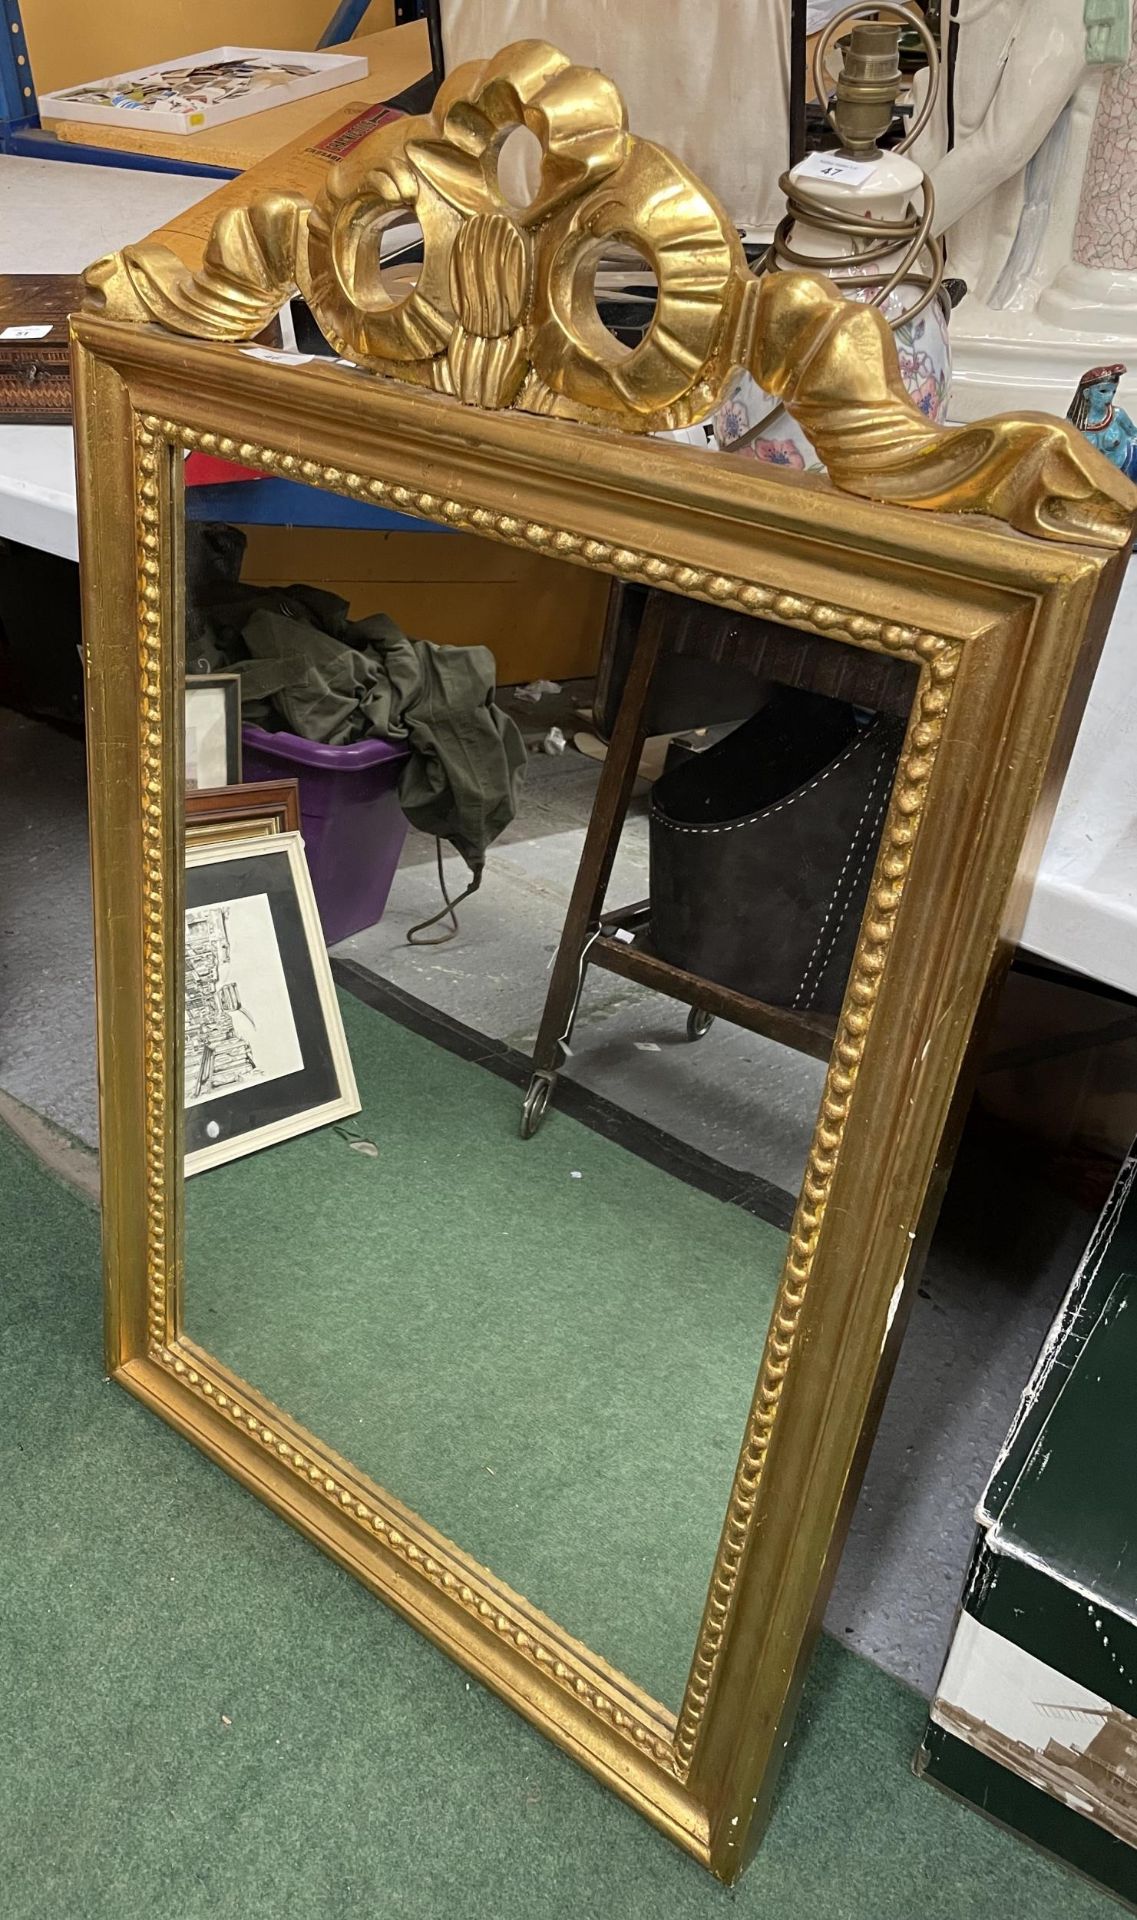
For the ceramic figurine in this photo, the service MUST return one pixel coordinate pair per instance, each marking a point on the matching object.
(1018, 65)
(1106, 425)
(1108, 30)
(1022, 109)
(1097, 289)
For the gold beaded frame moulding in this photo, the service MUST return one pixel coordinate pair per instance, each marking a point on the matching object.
(1002, 626)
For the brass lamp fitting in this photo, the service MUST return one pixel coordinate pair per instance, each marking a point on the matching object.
(868, 88)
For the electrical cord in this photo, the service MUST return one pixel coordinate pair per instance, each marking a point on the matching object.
(440, 939)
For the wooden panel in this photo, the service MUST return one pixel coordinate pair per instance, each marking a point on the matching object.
(540, 618)
(398, 58)
(808, 660)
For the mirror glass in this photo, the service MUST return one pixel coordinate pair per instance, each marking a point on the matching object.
(511, 1257)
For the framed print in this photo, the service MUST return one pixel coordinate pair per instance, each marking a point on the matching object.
(621, 1519)
(265, 1052)
(242, 812)
(213, 730)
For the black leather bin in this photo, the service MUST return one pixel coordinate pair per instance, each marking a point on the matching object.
(762, 849)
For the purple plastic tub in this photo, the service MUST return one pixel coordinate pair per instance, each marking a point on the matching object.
(353, 825)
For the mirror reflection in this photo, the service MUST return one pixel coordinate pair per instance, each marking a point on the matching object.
(520, 904)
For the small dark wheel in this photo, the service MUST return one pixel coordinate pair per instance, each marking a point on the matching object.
(699, 1023)
(535, 1102)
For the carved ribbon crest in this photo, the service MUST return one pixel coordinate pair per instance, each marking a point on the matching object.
(504, 313)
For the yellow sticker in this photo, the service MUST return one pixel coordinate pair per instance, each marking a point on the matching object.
(197, 119)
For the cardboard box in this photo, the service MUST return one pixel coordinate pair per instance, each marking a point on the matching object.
(1035, 1718)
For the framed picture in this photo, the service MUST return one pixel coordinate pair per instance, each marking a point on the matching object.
(242, 812)
(213, 730)
(265, 1052)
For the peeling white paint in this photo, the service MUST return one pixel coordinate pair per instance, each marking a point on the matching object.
(1001, 1543)
(1072, 1311)
(893, 1307)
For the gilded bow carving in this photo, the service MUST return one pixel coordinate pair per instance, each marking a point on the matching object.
(503, 312)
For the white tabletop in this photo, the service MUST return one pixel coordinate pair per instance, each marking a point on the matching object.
(37, 489)
(1083, 911)
(55, 217)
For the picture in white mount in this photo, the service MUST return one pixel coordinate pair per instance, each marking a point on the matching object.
(212, 727)
(265, 1050)
(240, 1030)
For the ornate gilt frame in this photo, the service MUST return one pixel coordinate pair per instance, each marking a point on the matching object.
(1003, 630)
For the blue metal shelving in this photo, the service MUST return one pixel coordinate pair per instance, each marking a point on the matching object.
(22, 133)
(344, 22)
(288, 503)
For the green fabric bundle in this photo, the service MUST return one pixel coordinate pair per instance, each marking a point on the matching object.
(307, 668)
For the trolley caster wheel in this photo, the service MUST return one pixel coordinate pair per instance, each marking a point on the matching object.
(699, 1023)
(535, 1103)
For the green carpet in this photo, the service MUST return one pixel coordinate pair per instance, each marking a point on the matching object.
(547, 1348)
(201, 1718)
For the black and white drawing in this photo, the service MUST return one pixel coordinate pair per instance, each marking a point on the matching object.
(265, 1053)
(239, 1024)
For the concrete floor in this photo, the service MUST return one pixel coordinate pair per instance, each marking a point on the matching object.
(1003, 1256)
(629, 1043)
(47, 1012)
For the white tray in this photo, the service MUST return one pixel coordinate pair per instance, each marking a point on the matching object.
(326, 70)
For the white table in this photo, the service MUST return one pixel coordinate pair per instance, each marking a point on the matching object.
(1083, 912)
(55, 217)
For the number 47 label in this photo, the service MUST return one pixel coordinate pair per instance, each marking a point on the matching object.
(835, 166)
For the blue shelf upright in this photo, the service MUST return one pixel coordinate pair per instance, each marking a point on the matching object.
(344, 22)
(21, 131)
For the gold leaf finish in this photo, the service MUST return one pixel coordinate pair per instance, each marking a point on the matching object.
(538, 1642)
(833, 362)
(1001, 631)
(246, 276)
(939, 658)
(489, 280)
(155, 878)
(504, 310)
(502, 317)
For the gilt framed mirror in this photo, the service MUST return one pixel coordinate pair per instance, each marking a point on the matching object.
(588, 1419)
